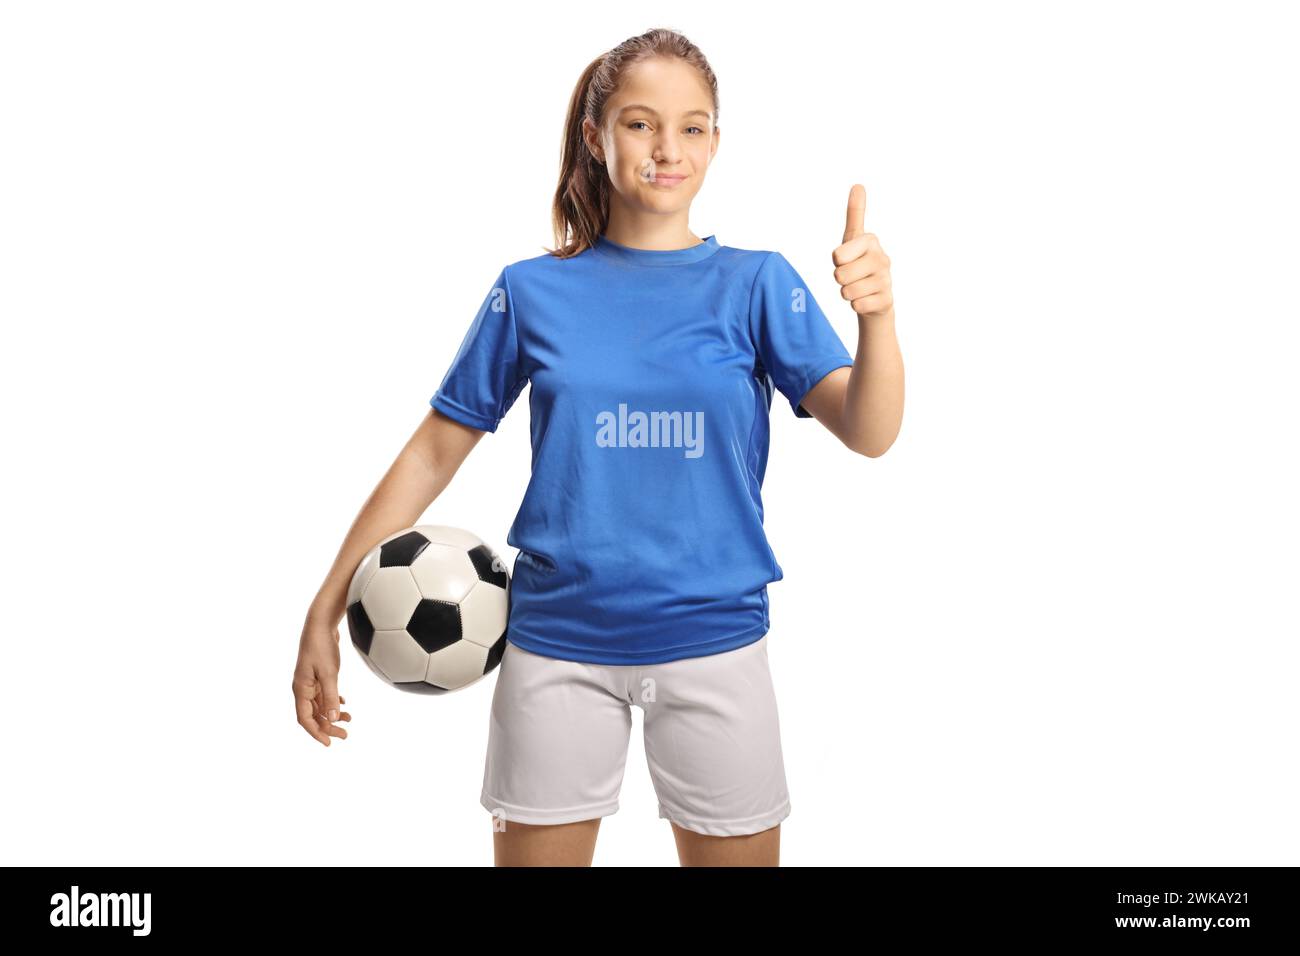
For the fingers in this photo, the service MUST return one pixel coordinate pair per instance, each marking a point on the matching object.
(855, 248)
(319, 715)
(324, 725)
(306, 717)
(313, 705)
(867, 265)
(870, 296)
(862, 288)
(871, 304)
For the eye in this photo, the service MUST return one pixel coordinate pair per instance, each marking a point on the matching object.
(634, 122)
(696, 128)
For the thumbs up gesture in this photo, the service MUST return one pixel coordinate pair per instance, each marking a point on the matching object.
(861, 266)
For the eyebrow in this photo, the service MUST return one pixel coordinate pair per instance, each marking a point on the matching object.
(639, 106)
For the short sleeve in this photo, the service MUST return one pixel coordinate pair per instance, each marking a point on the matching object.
(795, 342)
(486, 376)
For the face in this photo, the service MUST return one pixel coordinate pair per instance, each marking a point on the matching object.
(658, 136)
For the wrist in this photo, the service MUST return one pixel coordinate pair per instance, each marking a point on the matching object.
(326, 610)
(876, 319)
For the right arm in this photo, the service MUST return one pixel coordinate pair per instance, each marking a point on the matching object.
(423, 468)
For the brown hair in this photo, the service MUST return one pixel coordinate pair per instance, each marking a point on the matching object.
(580, 211)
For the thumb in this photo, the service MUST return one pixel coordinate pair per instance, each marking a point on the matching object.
(330, 693)
(856, 211)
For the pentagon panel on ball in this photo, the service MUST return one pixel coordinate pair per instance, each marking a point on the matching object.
(428, 608)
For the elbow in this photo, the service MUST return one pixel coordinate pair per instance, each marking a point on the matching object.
(871, 443)
(868, 440)
(869, 450)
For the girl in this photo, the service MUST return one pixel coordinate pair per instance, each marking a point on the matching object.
(642, 572)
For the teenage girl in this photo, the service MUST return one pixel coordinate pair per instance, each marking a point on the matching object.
(642, 572)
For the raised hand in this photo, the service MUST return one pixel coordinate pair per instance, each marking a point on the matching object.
(862, 268)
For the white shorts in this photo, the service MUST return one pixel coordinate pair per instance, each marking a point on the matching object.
(559, 732)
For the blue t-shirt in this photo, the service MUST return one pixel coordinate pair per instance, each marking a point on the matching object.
(640, 534)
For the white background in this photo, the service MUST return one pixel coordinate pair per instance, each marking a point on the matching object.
(1055, 624)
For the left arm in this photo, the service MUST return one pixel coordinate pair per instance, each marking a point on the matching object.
(863, 405)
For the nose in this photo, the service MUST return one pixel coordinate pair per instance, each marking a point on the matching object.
(667, 149)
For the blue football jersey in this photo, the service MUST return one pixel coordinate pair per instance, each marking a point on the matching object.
(640, 534)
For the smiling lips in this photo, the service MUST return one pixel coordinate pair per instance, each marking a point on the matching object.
(666, 180)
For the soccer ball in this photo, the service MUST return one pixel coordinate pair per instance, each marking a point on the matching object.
(428, 607)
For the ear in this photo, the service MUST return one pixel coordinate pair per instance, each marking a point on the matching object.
(590, 136)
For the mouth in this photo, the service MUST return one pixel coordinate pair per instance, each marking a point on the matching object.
(665, 180)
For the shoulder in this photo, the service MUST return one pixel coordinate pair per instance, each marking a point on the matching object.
(544, 274)
(545, 265)
(761, 266)
(746, 258)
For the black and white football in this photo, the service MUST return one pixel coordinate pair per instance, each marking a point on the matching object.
(428, 607)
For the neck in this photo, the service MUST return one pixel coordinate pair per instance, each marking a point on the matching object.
(640, 230)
